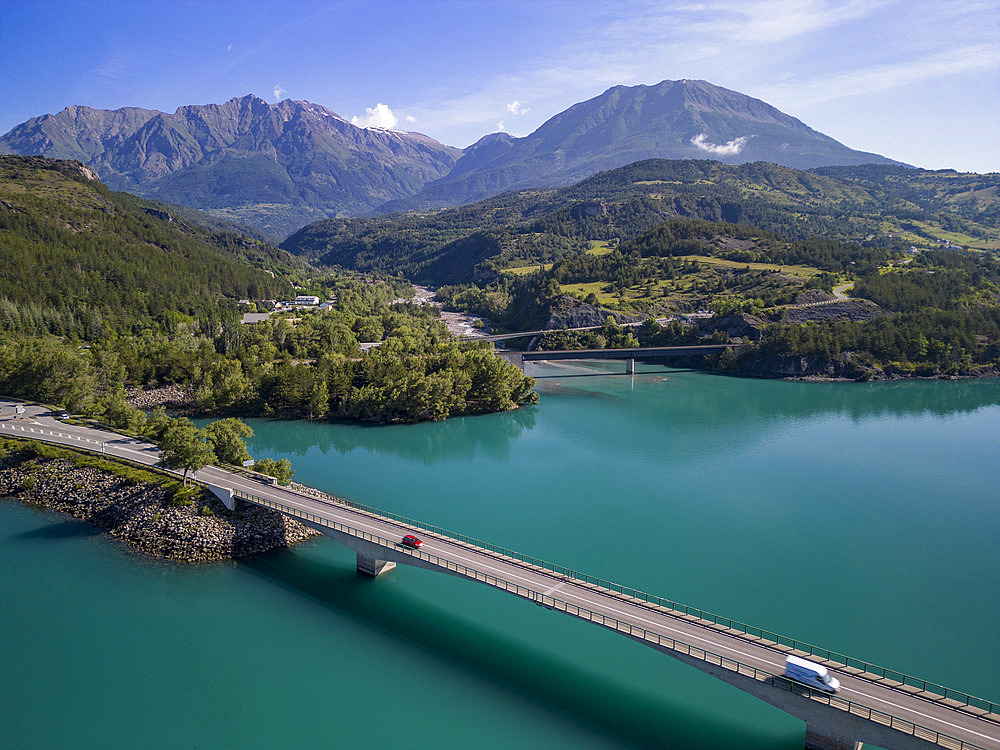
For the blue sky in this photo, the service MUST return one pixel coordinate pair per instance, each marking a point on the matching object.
(915, 80)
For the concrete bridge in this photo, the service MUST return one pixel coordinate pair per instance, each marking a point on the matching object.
(643, 354)
(542, 332)
(875, 705)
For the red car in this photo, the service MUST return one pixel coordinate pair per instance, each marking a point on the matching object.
(411, 541)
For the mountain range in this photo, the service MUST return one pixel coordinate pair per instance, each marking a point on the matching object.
(273, 166)
(280, 166)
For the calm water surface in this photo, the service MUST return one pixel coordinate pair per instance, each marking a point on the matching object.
(864, 518)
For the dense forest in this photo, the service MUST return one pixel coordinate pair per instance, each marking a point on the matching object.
(102, 290)
(934, 313)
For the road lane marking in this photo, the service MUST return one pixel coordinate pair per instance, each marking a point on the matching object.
(457, 553)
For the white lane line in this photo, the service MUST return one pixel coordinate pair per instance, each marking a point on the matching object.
(918, 713)
(455, 556)
(596, 603)
(554, 589)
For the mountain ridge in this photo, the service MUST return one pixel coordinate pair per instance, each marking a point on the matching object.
(275, 166)
(281, 166)
(686, 119)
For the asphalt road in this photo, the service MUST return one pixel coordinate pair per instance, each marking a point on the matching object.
(887, 699)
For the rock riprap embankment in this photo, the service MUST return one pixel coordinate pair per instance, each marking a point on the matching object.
(146, 516)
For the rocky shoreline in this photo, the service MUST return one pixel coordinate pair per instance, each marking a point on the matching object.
(147, 517)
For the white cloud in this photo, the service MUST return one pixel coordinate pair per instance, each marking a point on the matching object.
(379, 116)
(516, 108)
(410, 119)
(278, 92)
(229, 48)
(730, 148)
(500, 127)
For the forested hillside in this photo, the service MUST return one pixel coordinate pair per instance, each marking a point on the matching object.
(876, 207)
(928, 313)
(79, 259)
(100, 291)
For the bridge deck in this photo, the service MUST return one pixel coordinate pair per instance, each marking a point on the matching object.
(881, 701)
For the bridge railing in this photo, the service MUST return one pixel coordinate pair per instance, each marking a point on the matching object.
(649, 637)
(887, 676)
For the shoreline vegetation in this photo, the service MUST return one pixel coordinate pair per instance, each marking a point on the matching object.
(151, 513)
(101, 291)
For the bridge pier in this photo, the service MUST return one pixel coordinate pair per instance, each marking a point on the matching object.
(369, 562)
(630, 367)
(225, 495)
(370, 565)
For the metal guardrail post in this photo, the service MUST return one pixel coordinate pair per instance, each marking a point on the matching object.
(948, 693)
(633, 631)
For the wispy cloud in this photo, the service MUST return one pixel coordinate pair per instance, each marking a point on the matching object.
(787, 52)
(379, 116)
(885, 77)
(757, 21)
(278, 92)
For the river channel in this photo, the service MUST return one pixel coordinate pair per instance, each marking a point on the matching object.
(864, 518)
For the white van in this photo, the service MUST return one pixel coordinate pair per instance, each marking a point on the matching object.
(809, 673)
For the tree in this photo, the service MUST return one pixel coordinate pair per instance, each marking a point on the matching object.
(281, 470)
(227, 437)
(184, 448)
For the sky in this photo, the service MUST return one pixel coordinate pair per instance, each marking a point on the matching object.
(914, 80)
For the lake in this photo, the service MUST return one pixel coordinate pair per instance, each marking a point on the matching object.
(864, 518)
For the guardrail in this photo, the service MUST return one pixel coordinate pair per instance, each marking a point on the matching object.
(864, 669)
(649, 637)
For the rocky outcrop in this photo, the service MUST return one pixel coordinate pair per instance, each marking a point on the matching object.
(167, 396)
(855, 309)
(145, 516)
(808, 366)
(742, 326)
(569, 312)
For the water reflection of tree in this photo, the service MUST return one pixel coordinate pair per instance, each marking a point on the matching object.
(727, 399)
(428, 442)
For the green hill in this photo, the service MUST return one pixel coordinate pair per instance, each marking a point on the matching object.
(873, 206)
(79, 258)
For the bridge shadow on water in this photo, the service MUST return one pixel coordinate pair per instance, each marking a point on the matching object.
(56, 531)
(584, 698)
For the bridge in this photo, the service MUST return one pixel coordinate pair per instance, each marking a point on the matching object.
(542, 332)
(630, 355)
(875, 705)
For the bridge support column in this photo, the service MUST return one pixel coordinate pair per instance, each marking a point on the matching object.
(370, 565)
(823, 739)
(225, 495)
(630, 367)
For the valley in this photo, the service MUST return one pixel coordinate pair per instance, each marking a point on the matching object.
(682, 319)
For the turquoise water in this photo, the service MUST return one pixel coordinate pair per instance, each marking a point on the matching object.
(863, 518)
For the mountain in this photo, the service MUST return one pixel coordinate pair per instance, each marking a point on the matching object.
(79, 259)
(671, 120)
(872, 206)
(278, 167)
(273, 166)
